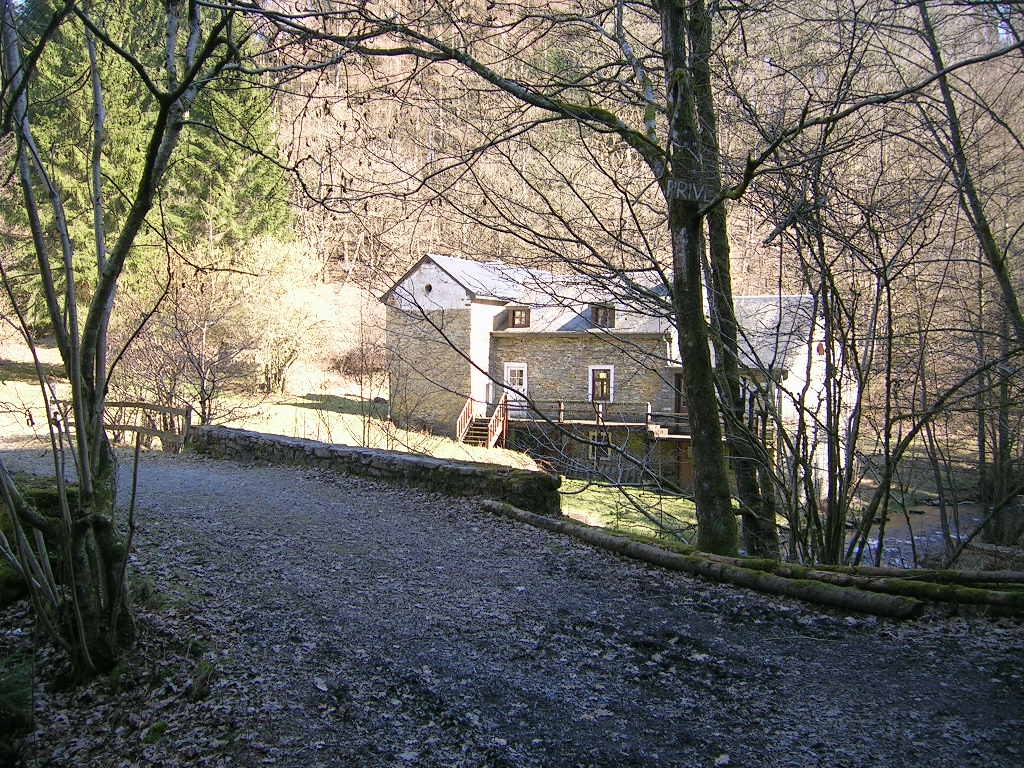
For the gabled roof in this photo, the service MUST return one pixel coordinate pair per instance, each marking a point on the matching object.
(773, 329)
(491, 279)
(482, 280)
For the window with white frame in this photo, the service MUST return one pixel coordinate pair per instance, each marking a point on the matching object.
(599, 447)
(601, 383)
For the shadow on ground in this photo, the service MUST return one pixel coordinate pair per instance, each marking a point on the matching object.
(11, 370)
(339, 404)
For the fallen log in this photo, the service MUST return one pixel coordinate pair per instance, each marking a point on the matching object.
(943, 576)
(810, 590)
(908, 583)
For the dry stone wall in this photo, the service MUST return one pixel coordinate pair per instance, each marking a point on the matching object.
(533, 491)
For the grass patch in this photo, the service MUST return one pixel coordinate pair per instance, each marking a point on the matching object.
(12, 587)
(338, 419)
(338, 404)
(156, 732)
(144, 593)
(25, 372)
(639, 513)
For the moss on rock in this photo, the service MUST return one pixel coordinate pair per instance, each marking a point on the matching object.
(16, 670)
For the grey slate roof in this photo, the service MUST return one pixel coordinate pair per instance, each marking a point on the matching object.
(492, 279)
(576, 319)
(773, 329)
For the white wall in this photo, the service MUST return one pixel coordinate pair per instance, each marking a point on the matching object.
(430, 288)
(481, 324)
(807, 369)
(413, 296)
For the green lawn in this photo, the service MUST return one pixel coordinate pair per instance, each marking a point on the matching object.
(647, 515)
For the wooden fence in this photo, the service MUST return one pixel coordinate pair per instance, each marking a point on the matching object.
(146, 420)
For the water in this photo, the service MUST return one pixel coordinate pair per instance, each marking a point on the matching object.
(925, 528)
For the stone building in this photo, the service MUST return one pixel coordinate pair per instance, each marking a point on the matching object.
(583, 375)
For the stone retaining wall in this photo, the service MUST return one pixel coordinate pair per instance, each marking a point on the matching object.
(533, 491)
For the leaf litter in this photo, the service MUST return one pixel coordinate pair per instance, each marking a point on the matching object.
(306, 619)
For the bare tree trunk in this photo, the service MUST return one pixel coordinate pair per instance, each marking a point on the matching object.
(692, 176)
(760, 536)
(715, 517)
(970, 199)
(88, 610)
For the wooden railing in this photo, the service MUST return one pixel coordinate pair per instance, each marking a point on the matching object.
(464, 420)
(674, 423)
(582, 410)
(588, 412)
(172, 430)
(498, 424)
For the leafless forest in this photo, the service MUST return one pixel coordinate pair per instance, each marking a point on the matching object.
(182, 182)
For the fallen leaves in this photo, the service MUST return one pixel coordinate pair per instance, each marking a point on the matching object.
(339, 622)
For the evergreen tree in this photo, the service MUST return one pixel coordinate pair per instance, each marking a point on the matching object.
(218, 192)
(226, 190)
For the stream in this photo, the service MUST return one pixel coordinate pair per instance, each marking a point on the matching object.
(921, 529)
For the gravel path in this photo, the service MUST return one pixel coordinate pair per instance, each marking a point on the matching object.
(318, 620)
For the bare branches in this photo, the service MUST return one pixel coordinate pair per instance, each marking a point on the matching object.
(93, 622)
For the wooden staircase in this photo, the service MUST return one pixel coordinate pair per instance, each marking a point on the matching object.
(483, 430)
(478, 432)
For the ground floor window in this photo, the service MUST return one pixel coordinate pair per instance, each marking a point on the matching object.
(601, 386)
(598, 447)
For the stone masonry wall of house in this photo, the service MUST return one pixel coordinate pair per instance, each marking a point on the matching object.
(429, 377)
(558, 366)
(633, 458)
(533, 491)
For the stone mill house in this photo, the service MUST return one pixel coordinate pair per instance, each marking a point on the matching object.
(584, 375)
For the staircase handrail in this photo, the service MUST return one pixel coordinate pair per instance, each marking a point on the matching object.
(464, 420)
(497, 426)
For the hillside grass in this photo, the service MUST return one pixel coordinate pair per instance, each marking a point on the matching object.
(349, 419)
(647, 515)
(325, 407)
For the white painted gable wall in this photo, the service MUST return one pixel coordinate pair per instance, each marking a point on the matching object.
(444, 292)
(412, 294)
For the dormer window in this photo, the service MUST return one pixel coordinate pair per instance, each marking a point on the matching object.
(602, 315)
(519, 317)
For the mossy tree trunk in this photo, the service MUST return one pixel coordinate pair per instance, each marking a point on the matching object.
(693, 178)
(84, 605)
(98, 552)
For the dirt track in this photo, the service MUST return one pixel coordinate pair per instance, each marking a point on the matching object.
(349, 623)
